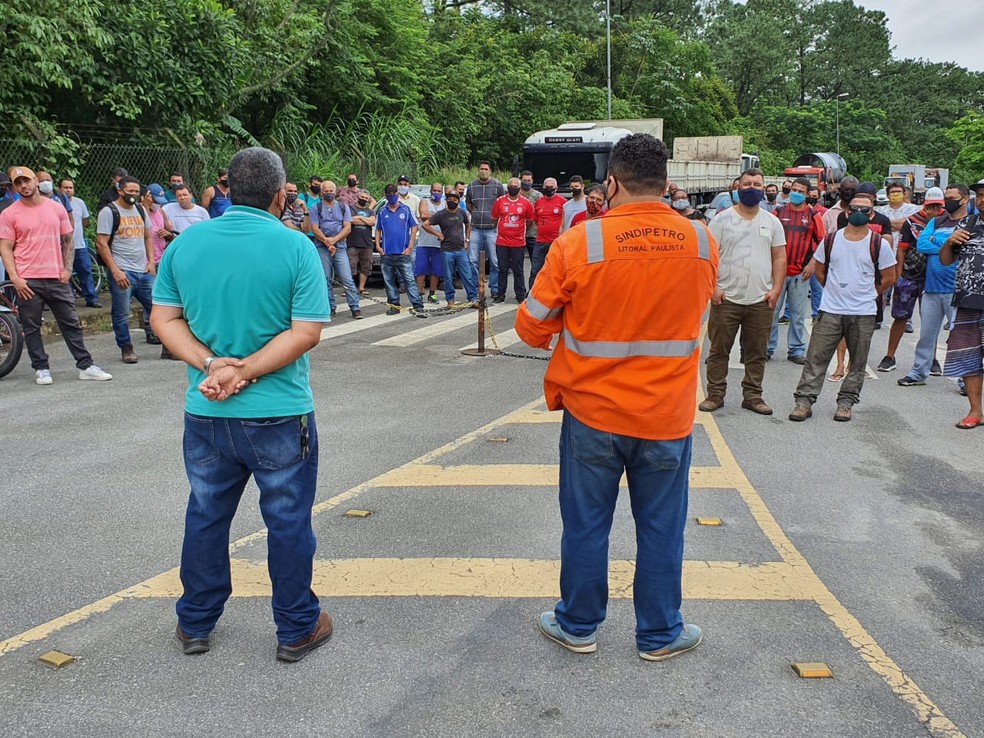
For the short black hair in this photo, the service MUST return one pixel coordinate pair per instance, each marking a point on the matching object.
(315, 178)
(63, 180)
(484, 163)
(752, 172)
(526, 173)
(577, 178)
(595, 187)
(638, 162)
(960, 187)
(181, 187)
(895, 186)
(120, 172)
(772, 184)
(459, 182)
(176, 174)
(128, 180)
(223, 172)
(390, 189)
(805, 182)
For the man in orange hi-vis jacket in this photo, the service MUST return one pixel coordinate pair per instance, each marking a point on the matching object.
(625, 373)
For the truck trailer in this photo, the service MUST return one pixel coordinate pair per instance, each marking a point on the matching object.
(703, 166)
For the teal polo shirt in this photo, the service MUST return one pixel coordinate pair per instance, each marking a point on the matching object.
(240, 280)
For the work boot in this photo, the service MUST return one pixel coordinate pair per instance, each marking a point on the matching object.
(711, 403)
(801, 413)
(128, 355)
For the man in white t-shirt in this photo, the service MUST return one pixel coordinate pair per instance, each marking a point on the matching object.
(83, 261)
(854, 265)
(750, 276)
(184, 213)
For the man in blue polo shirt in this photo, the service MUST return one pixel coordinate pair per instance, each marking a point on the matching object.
(241, 300)
(396, 233)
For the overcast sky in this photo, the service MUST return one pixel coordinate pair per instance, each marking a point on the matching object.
(930, 30)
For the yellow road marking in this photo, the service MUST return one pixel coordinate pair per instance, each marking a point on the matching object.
(524, 475)
(504, 578)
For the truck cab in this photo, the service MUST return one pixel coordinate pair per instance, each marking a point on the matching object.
(572, 148)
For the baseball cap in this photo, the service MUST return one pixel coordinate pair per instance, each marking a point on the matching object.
(403, 178)
(158, 194)
(866, 188)
(975, 187)
(934, 196)
(454, 194)
(16, 173)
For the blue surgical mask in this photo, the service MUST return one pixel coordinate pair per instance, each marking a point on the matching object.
(797, 198)
(436, 196)
(734, 196)
(392, 199)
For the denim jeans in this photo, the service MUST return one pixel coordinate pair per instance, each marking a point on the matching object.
(483, 239)
(816, 292)
(540, 251)
(933, 308)
(339, 264)
(83, 268)
(220, 455)
(460, 261)
(591, 465)
(141, 287)
(398, 268)
(796, 293)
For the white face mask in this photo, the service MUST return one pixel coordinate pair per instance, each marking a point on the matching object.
(403, 190)
(681, 204)
(46, 187)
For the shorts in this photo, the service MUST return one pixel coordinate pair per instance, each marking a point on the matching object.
(907, 293)
(965, 346)
(360, 260)
(428, 260)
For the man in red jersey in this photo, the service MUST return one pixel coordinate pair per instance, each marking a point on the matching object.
(511, 213)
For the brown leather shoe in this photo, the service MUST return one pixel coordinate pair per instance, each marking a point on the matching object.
(711, 403)
(843, 413)
(801, 413)
(319, 636)
(192, 645)
(757, 405)
(128, 355)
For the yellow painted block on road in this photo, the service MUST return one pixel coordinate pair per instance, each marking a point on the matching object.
(358, 513)
(813, 670)
(708, 521)
(499, 439)
(55, 659)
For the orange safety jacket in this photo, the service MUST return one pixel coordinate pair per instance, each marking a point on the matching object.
(628, 294)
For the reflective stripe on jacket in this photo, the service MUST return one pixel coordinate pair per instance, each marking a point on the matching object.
(627, 293)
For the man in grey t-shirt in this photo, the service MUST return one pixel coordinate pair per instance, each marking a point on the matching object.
(124, 238)
(452, 227)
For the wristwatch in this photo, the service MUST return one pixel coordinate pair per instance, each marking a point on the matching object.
(208, 364)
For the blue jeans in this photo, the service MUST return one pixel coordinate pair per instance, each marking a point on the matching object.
(460, 261)
(83, 268)
(141, 287)
(398, 268)
(816, 292)
(796, 293)
(483, 239)
(220, 456)
(591, 465)
(339, 264)
(933, 308)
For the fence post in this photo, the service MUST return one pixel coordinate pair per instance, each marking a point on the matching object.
(482, 307)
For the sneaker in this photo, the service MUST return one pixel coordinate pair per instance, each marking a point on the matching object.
(357, 314)
(801, 413)
(95, 373)
(689, 638)
(799, 360)
(783, 320)
(333, 311)
(432, 298)
(887, 364)
(393, 311)
(552, 630)
(843, 413)
(962, 387)
(499, 298)
(43, 376)
(908, 381)
(908, 326)
(877, 326)
(936, 370)
(151, 338)
(94, 304)
(419, 312)
(128, 354)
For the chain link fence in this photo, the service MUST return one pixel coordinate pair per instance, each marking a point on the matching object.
(91, 164)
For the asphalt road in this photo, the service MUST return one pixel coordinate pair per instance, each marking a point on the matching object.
(857, 545)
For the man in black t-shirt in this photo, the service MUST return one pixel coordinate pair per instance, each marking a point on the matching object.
(454, 234)
(360, 239)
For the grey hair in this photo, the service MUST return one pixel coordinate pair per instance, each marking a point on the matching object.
(256, 175)
(850, 181)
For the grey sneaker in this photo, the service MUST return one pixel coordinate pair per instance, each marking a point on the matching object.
(936, 370)
(887, 364)
(43, 376)
(552, 630)
(689, 638)
(94, 373)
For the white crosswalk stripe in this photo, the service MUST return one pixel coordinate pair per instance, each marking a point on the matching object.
(441, 327)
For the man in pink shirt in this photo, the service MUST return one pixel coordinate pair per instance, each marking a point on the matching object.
(37, 246)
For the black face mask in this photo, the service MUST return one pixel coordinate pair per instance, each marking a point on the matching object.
(129, 199)
(175, 185)
(315, 189)
(576, 191)
(811, 201)
(847, 195)
(291, 198)
(224, 182)
(512, 190)
(771, 196)
(452, 205)
(951, 206)
(353, 182)
(785, 190)
(363, 203)
(549, 191)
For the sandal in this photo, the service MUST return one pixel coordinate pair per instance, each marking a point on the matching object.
(970, 422)
(836, 377)
(364, 293)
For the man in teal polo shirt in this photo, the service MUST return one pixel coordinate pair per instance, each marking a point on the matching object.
(241, 300)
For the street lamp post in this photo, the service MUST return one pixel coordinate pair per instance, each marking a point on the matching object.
(608, 25)
(842, 96)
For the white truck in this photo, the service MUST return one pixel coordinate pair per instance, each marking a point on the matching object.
(917, 178)
(703, 166)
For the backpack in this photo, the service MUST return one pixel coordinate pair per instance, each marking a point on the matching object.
(874, 244)
(116, 226)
